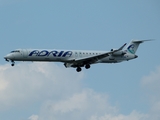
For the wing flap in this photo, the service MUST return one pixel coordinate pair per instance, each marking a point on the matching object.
(92, 58)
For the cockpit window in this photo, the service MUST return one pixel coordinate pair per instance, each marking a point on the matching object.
(15, 51)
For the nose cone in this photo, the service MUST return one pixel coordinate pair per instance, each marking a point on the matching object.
(136, 56)
(5, 57)
(8, 56)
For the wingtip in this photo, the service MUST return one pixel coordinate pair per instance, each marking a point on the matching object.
(122, 46)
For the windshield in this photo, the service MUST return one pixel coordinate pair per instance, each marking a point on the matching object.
(15, 51)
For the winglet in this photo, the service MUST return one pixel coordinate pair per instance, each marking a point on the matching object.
(113, 51)
(122, 47)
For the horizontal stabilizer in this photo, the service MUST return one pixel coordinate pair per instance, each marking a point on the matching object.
(141, 41)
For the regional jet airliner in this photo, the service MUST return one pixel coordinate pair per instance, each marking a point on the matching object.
(76, 58)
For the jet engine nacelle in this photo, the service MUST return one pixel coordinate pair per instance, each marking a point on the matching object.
(118, 53)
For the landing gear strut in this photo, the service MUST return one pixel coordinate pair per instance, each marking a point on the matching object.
(78, 69)
(12, 64)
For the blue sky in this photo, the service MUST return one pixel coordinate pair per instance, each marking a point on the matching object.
(123, 91)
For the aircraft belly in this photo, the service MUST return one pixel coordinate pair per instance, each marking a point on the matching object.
(41, 58)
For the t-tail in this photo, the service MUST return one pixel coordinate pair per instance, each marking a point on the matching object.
(134, 44)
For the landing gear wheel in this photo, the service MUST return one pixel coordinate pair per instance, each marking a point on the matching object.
(12, 63)
(78, 69)
(87, 66)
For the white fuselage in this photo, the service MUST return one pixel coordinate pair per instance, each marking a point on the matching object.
(76, 58)
(49, 55)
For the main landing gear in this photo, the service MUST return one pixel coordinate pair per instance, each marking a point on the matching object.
(87, 66)
(80, 69)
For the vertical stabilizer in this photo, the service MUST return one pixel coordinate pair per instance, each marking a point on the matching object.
(133, 46)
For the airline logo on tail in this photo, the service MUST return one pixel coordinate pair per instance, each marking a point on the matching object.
(131, 49)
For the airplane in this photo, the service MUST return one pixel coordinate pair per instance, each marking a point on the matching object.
(76, 58)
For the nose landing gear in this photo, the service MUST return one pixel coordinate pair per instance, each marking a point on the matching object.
(12, 64)
(7, 60)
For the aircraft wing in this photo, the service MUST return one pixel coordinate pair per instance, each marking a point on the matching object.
(91, 59)
(95, 58)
